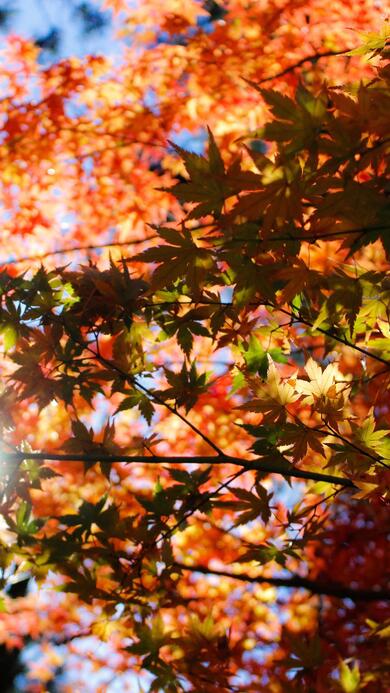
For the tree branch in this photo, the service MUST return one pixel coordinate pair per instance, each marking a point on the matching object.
(309, 239)
(138, 241)
(314, 58)
(248, 465)
(329, 589)
(296, 317)
(155, 398)
(200, 504)
(337, 338)
(63, 251)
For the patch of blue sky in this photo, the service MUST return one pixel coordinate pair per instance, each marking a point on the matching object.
(35, 18)
(221, 361)
(151, 101)
(192, 141)
(67, 220)
(75, 109)
(227, 294)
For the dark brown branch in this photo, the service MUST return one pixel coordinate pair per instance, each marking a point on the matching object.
(296, 318)
(138, 241)
(201, 503)
(331, 589)
(352, 445)
(248, 465)
(77, 248)
(127, 378)
(337, 338)
(314, 58)
(309, 239)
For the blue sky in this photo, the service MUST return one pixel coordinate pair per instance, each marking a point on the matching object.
(34, 18)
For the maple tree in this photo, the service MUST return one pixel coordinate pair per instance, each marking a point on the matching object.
(196, 350)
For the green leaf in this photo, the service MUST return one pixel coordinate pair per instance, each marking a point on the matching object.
(25, 524)
(373, 42)
(255, 357)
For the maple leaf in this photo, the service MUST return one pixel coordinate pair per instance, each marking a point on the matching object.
(367, 437)
(293, 439)
(104, 629)
(210, 185)
(306, 653)
(349, 677)
(273, 396)
(344, 302)
(181, 259)
(373, 42)
(185, 386)
(326, 390)
(265, 553)
(278, 200)
(186, 326)
(298, 439)
(299, 277)
(252, 505)
(140, 400)
(321, 381)
(381, 344)
(297, 122)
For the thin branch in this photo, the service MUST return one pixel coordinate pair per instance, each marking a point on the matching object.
(337, 338)
(296, 318)
(309, 239)
(155, 398)
(313, 58)
(174, 411)
(248, 465)
(330, 589)
(77, 248)
(200, 504)
(352, 445)
(274, 239)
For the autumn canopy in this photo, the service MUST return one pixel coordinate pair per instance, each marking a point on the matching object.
(195, 352)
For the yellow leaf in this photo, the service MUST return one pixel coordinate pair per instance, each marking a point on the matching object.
(326, 390)
(104, 629)
(365, 488)
(273, 396)
(349, 678)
